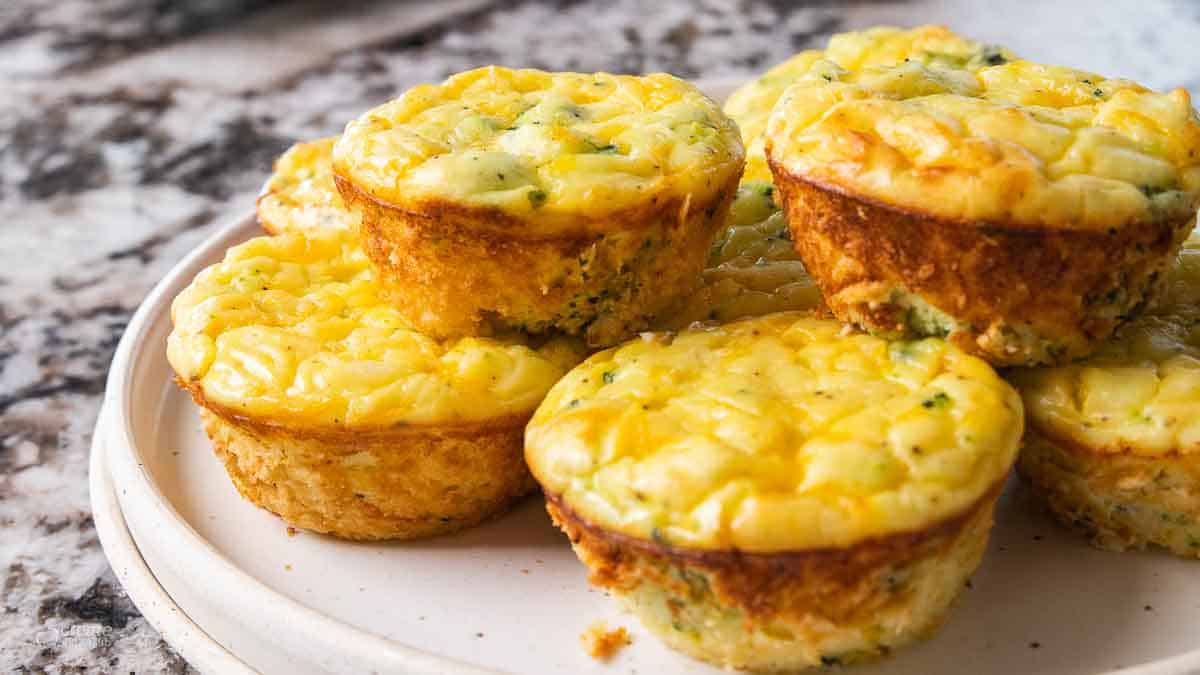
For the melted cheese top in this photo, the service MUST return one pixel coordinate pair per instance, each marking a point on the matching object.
(291, 330)
(559, 145)
(1141, 392)
(777, 433)
(992, 139)
(752, 269)
(751, 104)
(300, 195)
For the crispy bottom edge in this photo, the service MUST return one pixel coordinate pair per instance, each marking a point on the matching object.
(1119, 501)
(1009, 294)
(409, 483)
(452, 270)
(788, 610)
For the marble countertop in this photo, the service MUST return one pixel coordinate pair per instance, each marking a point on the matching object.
(131, 129)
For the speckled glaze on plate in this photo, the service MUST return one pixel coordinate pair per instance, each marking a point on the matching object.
(509, 596)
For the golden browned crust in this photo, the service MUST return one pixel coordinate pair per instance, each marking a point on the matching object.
(833, 582)
(1116, 498)
(786, 611)
(402, 483)
(454, 270)
(1016, 295)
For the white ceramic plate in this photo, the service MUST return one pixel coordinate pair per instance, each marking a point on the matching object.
(139, 582)
(510, 596)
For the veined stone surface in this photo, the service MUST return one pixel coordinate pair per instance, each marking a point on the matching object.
(130, 129)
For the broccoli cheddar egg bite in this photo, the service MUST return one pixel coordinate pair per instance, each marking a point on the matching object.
(300, 195)
(751, 104)
(1021, 210)
(326, 409)
(1113, 442)
(777, 492)
(579, 203)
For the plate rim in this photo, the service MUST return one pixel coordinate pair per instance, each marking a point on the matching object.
(139, 488)
(135, 576)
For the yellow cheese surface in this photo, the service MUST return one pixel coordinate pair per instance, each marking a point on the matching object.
(777, 433)
(1141, 392)
(300, 195)
(291, 330)
(558, 146)
(992, 138)
(751, 104)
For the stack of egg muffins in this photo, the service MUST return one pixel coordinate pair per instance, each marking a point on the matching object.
(788, 448)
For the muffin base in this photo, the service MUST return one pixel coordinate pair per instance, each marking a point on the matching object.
(1120, 501)
(786, 611)
(400, 483)
(453, 271)
(1008, 294)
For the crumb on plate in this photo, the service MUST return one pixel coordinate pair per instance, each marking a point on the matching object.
(601, 643)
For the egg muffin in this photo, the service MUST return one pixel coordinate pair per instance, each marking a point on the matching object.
(1113, 442)
(751, 104)
(326, 409)
(1021, 211)
(300, 195)
(778, 492)
(568, 202)
(752, 268)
